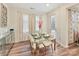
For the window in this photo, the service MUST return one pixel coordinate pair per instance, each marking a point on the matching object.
(53, 23)
(37, 23)
(25, 23)
(53, 29)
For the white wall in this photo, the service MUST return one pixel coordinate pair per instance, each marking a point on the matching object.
(15, 21)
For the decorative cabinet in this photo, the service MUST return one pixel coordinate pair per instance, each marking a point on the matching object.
(6, 42)
(70, 30)
(3, 15)
(73, 26)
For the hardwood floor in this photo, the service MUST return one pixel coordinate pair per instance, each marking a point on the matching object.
(23, 49)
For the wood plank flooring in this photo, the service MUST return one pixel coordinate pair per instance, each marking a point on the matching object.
(23, 49)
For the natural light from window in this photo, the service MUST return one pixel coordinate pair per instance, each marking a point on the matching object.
(25, 23)
(37, 18)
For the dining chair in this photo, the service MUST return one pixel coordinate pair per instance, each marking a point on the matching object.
(53, 39)
(40, 47)
(48, 43)
(32, 45)
(36, 46)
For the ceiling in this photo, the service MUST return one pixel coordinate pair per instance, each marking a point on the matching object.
(75, 7)
(36, 7)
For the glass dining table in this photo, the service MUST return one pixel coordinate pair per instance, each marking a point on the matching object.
(45, 39)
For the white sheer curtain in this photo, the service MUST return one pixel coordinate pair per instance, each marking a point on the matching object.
(36, 23)
(53, 23)
(25, 23)
(53, 29)
(25, 26)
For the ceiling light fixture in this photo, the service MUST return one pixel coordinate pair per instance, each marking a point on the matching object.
(47, 5)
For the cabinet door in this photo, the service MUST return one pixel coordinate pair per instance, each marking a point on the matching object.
(3, 15)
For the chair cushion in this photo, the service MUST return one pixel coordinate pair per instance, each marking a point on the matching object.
(52, 38)
(34, 45)
(31, 39)
(35, 34)
(47, 43)
(40, 45)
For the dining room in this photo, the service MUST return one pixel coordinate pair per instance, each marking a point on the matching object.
(38, 29)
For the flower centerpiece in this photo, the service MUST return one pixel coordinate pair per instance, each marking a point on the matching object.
(40, 25)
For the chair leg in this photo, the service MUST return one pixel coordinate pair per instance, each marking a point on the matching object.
(54, 44)
(37, 52)
(45, 50)
(52, 48)
(33, 52)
